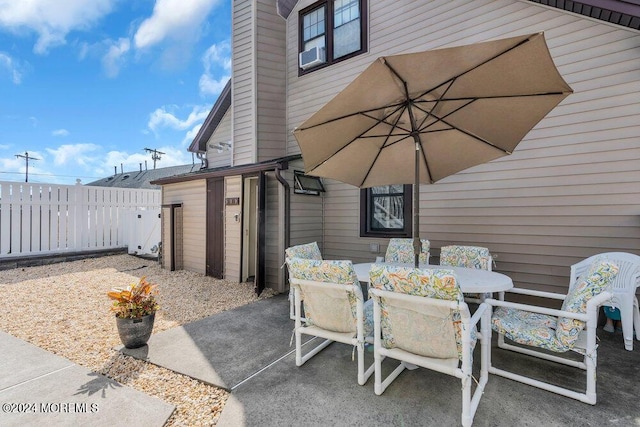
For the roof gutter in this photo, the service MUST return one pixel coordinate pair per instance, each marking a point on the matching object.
(282, 164)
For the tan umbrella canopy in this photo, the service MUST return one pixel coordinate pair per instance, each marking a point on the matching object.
(445, 110)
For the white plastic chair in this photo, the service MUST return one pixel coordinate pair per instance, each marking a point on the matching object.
(469, 257)
(401, 251)
(420, 318)
(334, 308)
(305, 251)
(572, 328)
(624, 289)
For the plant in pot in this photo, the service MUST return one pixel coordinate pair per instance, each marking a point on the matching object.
(135, 308)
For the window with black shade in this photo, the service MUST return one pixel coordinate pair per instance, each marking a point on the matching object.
(331, 31)
(386, 211)
(307, 184)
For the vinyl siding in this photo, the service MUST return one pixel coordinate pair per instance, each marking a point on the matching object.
(258, 91)
(221, 134)
(192, 195)
(243, 84)
(306, 213)
(571, 188)
(270, 71)
(232, 229)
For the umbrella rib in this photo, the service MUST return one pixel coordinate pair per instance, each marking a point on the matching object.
(364, 113)
(477, 65)
(378, 121)
(415, 132)
(384, 145)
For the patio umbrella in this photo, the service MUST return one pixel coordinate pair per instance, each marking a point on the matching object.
(445, 110)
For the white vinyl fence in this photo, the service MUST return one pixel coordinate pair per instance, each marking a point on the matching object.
(39, 219)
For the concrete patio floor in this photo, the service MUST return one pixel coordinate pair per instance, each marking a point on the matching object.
(247, 351)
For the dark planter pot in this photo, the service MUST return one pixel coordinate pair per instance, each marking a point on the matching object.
(135, 333)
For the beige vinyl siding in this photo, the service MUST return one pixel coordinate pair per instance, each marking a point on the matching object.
(243, 82)
(221, 134)
(258, 91)
(232, 229)
(193, 196)
(572, 187)
(270, 72)
(306, 213)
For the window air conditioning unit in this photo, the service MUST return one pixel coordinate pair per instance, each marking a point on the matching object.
(312, 57)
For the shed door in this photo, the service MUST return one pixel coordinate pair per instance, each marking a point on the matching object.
(215, 227)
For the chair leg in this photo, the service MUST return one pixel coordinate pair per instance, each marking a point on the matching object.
(292, 304)
(636, 318)
(626, 316)
(363, 375)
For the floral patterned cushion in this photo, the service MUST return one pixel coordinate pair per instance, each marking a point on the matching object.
(329, 311)
(306, 251)
(465, 256)
(548, 332)
(401, 250)
(596, 280)
(432, 332)
(524, 327)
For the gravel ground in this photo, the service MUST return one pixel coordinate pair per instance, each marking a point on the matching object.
(63, 308)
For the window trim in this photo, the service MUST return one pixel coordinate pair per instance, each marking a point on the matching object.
(329, 10)
(408, 219)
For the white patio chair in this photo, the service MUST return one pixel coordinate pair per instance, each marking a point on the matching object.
(572, 328)
(623, 288)
(306, 251)
(420, 318)
(334, 307)
(469, 257)
(401, 251)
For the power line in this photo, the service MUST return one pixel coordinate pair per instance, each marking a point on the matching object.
(155, 155)
(26, 157)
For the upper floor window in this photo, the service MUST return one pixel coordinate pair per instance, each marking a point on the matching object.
(331, 31)
(386, 211)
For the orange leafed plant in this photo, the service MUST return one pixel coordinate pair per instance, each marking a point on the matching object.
(136, 300)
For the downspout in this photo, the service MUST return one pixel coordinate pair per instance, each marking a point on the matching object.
(287, 204)
(203, 160)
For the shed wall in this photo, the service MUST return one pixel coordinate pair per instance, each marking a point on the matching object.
(193, 196)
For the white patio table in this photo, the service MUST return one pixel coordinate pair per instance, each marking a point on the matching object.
(471, 280)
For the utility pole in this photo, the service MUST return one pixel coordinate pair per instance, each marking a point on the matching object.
(26, 158)
(155, 155)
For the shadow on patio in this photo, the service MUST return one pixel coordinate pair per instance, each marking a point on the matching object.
(247, 351)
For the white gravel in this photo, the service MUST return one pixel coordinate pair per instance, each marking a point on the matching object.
(63, 308)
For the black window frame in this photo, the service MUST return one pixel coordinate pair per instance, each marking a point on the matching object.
(307, 184)
(328, 19)
(365, 213)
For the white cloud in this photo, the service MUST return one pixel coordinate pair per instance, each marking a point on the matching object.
(217, 57)
(60, 132)
(210, 86)
(77, 154)
(162, 117)
(122, 160)
(188, 138)
(173, 19)
(114, 59)
(9, 64)
(52, 20)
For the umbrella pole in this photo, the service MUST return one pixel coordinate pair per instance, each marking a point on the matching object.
(417, 245)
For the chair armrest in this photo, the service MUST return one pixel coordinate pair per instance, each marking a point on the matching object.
(541, 294)
(536, 309)
(478, 313)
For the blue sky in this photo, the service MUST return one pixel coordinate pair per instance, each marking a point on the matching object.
(86, 85)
